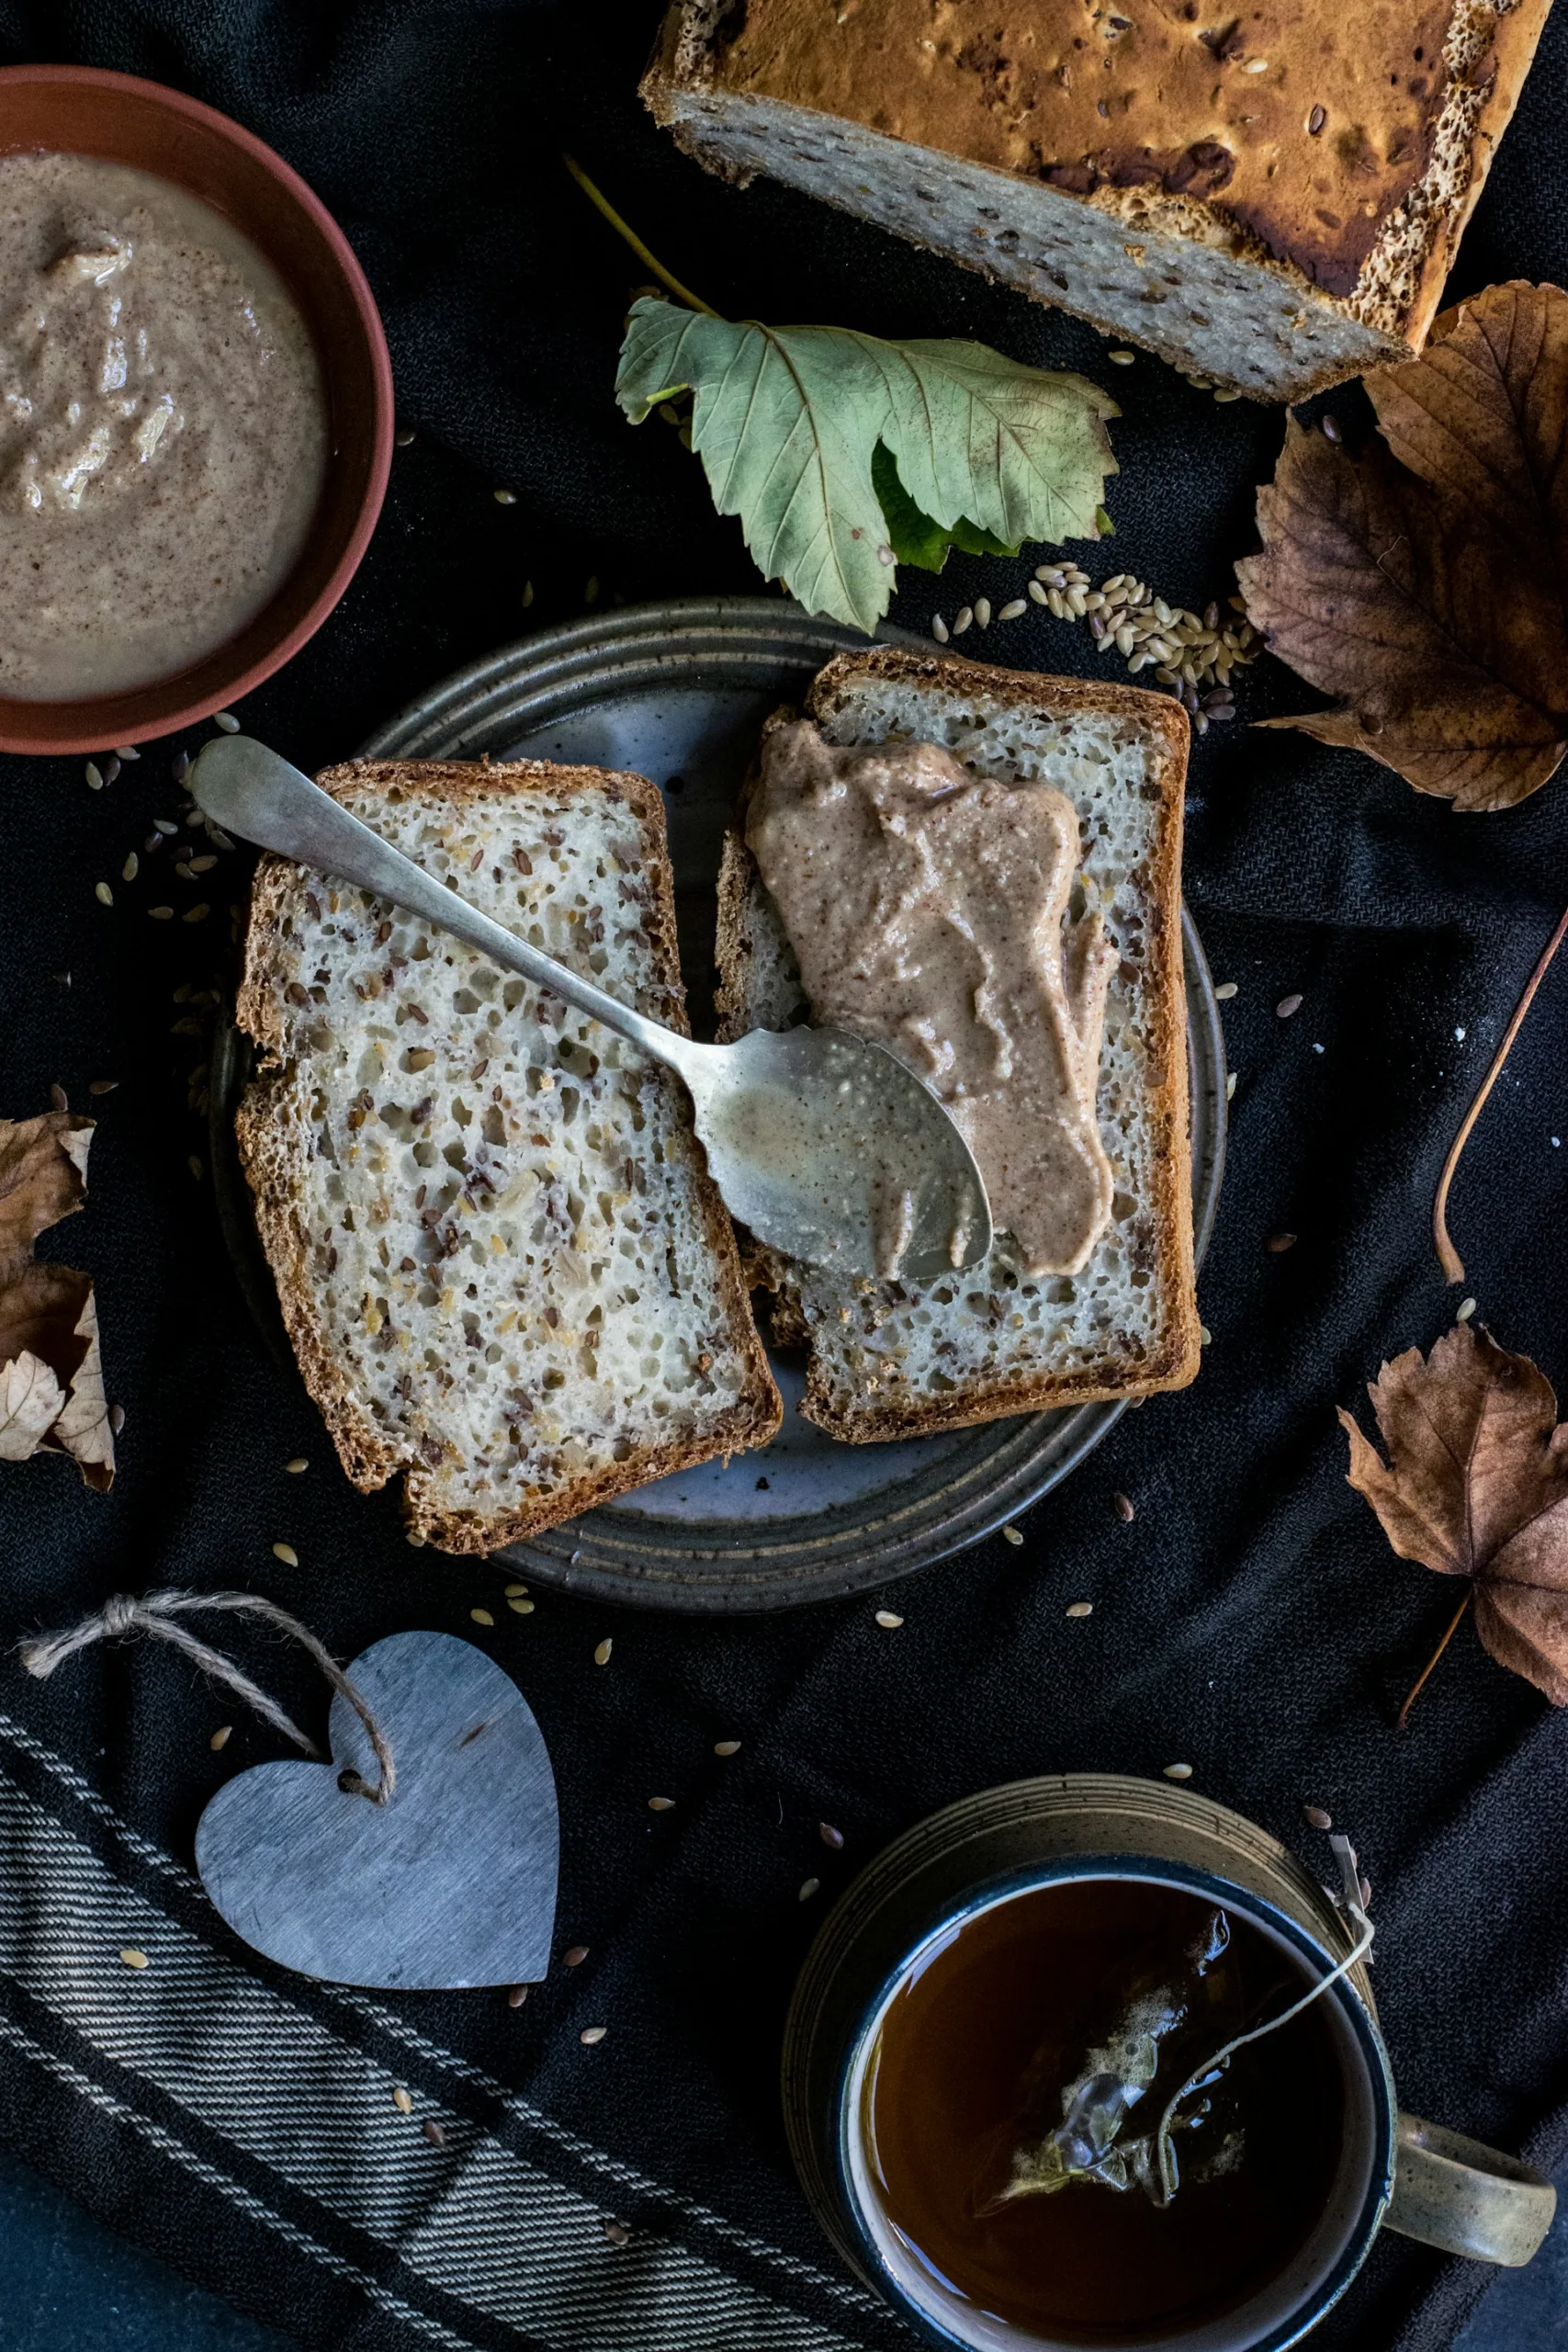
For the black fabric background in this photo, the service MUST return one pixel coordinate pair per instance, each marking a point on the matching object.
(1251, 1617)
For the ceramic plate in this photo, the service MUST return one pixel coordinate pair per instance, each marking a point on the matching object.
(679, 692)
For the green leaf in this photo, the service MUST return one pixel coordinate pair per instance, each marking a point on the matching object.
(912, 535)
(786, 422)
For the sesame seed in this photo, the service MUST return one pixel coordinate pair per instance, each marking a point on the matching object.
(481, 1617)
(102, 1085)
(296, 1465)
(515, 1591)
(165, 825)
(808, 1887)
(982, 612)
(1011, 610)
(1125, 1508)
(199, 913)
(1037, 593)
(1230, 1087)
(939, 629)
(1178, 1771)
(662, 1804)
(434, 2133)
(403, 437)
(519, 1605)
(286, 1553)
(103, 894)
(1256, 66)
(1080, 1609)
(1278, 1243)
(1286, 1005)
(224, 718)
(516, 1996)
(618, 2232)
(1331, 430)
(592, 2035)
(575, 1957)
(1121, 359)
(129, 870)
(601, 1654)
(95, 775)
(1205, 1337)
(194, 1164)
(402, 2101)
(1011, 1535)
(125, 751)
(220, 1740)
(505, 498)
(1226, 990)
(1316, 1817)
(161, 914)
(962, 621)
(1224, 392)
(886, 1618)
(528, 593)
(1316, 122)
(1466, 1309)
(117, 1420)
(727, 1747)
(131, 1957)
(829, 1836)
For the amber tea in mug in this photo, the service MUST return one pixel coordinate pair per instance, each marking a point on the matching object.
(1011, 2104)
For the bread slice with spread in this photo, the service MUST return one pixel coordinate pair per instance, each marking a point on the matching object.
(502, 1263)
(897, 1359)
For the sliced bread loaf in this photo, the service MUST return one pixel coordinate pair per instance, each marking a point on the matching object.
(1272, 199)
(499, 1258)
(899, 1359)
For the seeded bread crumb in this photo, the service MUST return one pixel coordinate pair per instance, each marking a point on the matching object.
(894, 1360)
(501, 1260)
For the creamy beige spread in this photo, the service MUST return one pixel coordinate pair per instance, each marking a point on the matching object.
(928, 910)
(163, 428)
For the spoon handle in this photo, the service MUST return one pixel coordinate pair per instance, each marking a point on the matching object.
(255, 793)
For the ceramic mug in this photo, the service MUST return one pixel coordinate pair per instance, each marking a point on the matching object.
(1394, 2169)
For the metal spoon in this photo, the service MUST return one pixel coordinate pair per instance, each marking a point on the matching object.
(824, 1144)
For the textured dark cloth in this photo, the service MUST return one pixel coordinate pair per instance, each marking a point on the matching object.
(1250, 1619)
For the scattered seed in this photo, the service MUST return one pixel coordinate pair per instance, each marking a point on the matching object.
(125, 751)
(59, 1099)
(808, 1887)
(1125, 1509)
(1366, 1891)
(131, 1957)
(982, 612)
(1230, 1087)
(220, 1737)
(102, 1085)
(1037, 594)
(95, 776)
(1205, 1337)
(515, 1591)
(103, 894)
(434, 2132)
(161, 914)
(1330, 430)
(520, 1605)
(1178, 1771)
(286, 1553)
(829, 1836)
(403, 437)
(411, 1535)
(528, 593)
(727, 1747)
(1466, 1309)
(1011, 1535)
(1224, 392)
(1011, 610)
(885, 1617)
(1080, 1609)
(481, 1617)
(165, 825)
(296, 1465)
(1121, 359)
(1278, 1243)
(505, 498)
(402, 2101)
(1316, 122)
(575, 1957)
(939, 629)
(1256, 66)
(601, 1654)
(662, 1804)
(1286, 1005)
(199, 913)
(117, 1420)
(618, 2232)
(1315, 1817)
(962, 621)
(194, 1164)
(1226, 990)
(224, 718)
(592, 2035)
(131, 868)
(516, 1996)
(179, 768)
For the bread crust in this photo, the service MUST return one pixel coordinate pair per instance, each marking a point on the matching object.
(271, 1170)
(1174, 1362)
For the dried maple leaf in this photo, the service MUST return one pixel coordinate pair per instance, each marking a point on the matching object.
(1476, 1485)
(51, 1382)
(1422, 580)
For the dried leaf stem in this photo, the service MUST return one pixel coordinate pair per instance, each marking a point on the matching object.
(1448, 1255)
(1425, 1675)
(665, 277)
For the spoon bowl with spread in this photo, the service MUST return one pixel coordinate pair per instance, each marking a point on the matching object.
(825, 1146)
(196, 411)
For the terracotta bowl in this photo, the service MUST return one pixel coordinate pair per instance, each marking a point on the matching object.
(75, 110)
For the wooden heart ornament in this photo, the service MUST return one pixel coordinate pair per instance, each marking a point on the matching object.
(451, 1883)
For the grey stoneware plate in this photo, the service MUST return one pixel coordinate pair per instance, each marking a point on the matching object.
(678, 691)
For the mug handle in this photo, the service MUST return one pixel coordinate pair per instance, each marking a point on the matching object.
(1454, 2193)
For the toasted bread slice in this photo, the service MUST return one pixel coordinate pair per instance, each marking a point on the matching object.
(894, 1360)
(500, 1260)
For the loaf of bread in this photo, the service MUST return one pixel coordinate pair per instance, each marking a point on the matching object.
(1269, 199)
(897, 1359)
(502, 1263)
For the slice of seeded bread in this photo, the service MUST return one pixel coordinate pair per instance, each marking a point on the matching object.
(893, 1359)
(1272, 199)
(499, 1258)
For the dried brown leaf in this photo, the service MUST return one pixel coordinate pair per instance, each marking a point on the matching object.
(51, 1383)
(1476, 1485)
(1422, 580)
